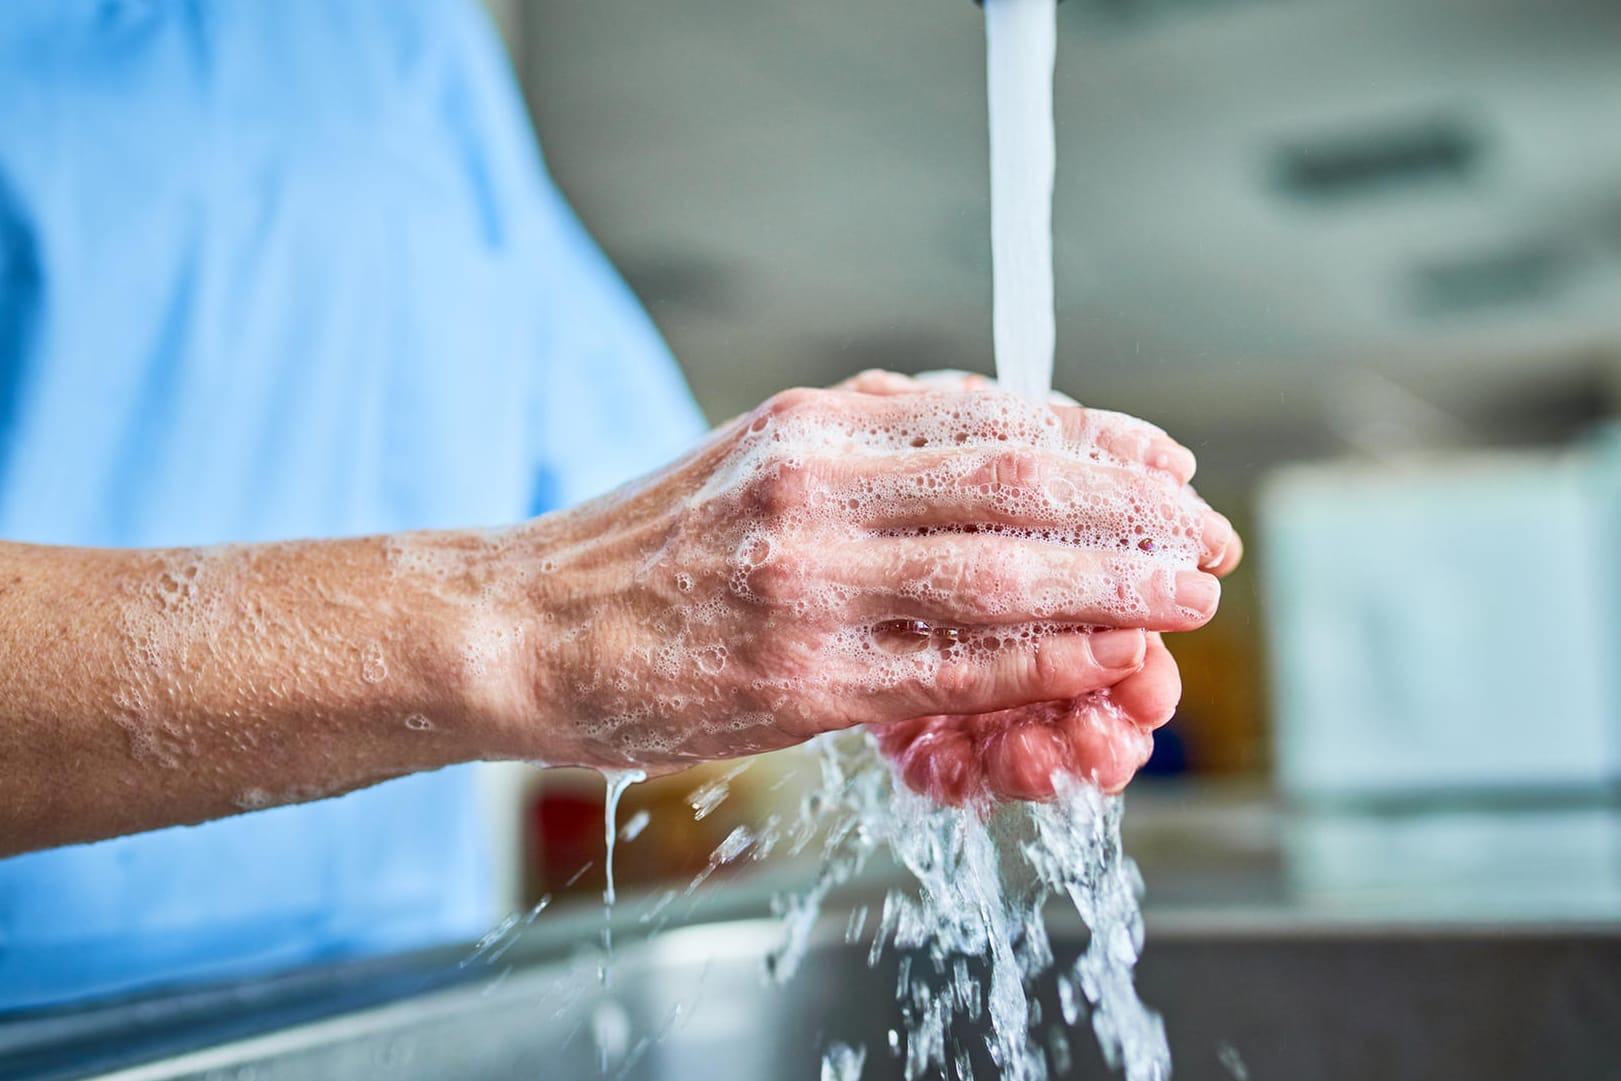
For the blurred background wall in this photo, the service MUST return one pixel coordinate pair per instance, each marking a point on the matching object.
(1364, 256)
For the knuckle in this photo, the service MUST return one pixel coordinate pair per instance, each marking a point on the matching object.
(795, 567)
(781, 490)
(953, 579)
(780, 580)
(1046, 669)
(1018, 468)
(958, 681)
(1160, 713)
(1148, 487)
(990, 576)
(1077, 424)
(875, 381)
(913, 566)
(1148, 428)
(1124, 437)
(1151, 496)
(793, 400)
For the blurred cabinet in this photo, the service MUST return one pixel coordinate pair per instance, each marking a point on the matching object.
(1445, 624)
(666, 828)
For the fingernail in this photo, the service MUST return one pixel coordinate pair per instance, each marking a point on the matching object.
(1118, 649)
(1173, 458)
(1197, 591)
(1218, 534)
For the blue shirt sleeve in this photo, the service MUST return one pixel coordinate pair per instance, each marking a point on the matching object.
(612, 404)
(608, 402)
(287, 270)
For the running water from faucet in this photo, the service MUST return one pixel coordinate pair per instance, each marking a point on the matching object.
(1021, 50)
(1075, 850)
(984, 877)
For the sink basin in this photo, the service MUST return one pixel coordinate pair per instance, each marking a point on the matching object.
(1241, 1000)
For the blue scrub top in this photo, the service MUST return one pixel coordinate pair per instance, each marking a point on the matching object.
(274, 270)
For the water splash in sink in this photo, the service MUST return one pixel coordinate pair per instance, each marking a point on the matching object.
(843, 1063)
(972, 931)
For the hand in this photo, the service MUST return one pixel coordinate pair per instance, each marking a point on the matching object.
(1104, 736)
(838, 558)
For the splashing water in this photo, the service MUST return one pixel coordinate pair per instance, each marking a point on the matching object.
(972, 935)
(638, 822)
(712, 793)
(1232, 1061)
(504, 935)
(843, 1063)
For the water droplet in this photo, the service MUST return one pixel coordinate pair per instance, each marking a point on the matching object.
(843, 1063)
(633, 829)
(373, 667)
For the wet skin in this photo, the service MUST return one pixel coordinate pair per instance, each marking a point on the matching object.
(1104, 735)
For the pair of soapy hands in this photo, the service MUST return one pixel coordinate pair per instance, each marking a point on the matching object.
(1105, 733)
(982, 581)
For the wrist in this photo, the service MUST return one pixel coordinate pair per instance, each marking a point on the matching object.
(476, 610)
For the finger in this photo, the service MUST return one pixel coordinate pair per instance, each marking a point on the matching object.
(1020, 761)
(1230, 557)
(1107, 748)
(973, 678)
(963, 409)
(987, 419)
(953, 379)
(1219, 543)
(879, 381)
(1127, 438)
(936, 758)
(1149, 696)
(987, 580)
(949, 410)
(1015, 486)
(1021, 488)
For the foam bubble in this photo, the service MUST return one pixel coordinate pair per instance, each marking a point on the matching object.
(373, 665)
(745, 617)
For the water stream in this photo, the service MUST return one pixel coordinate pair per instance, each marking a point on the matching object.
(1071, 845)
(1021, 49)
(970, 932)
(973, 931)
(617, 781)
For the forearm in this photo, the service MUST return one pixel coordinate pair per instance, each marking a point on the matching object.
(141, 689)
(730, 604)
